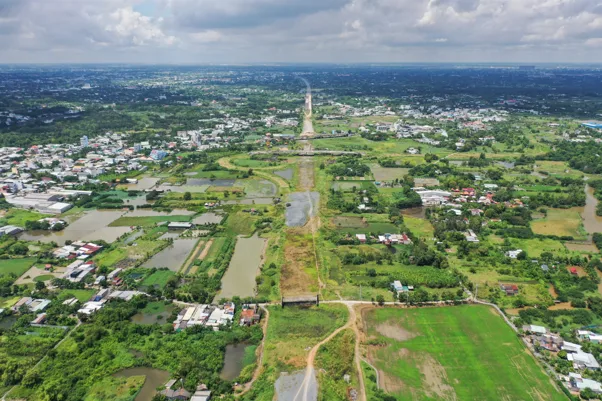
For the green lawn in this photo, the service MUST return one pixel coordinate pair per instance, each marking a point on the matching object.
(116, 389)
(15, 266)
(463, 353)
(43, 277)
(560, 222)
(81, 295)
(18, 217)
(158, 278)
(421, 228)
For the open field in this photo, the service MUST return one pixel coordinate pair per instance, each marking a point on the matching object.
(421, 228)
(463, 353)
(560, 222)
(158, 278)
(15, 266)
(387, 173)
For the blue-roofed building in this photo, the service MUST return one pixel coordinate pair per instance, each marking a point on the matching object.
(592, 125)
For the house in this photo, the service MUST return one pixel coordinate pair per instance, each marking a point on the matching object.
(361, 238)
(551, 342)
(249, 315)
(176, 225)
(177, 394)
(514, 254)
(578, 383)
(201, 393)
(535, 329)
(509, 289)
(580, 359)
(471, 236)
(589, 336)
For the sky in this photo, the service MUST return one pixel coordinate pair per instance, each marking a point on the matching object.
(299, 31)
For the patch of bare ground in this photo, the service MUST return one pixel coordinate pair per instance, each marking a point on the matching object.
(203, 254)
(298, 255)
(435, 380)
(306, 173)
(395, 332)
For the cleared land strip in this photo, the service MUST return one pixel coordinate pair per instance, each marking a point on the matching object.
(225, 163)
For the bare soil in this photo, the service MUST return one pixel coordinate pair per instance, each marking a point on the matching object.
(298, 256)
(395, 332)
(435, 380)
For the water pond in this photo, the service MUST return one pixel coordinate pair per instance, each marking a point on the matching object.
(91, 226)
(154, 378)
(239, 279)
(172, 257)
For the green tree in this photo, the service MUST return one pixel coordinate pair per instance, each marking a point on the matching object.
(187, 196)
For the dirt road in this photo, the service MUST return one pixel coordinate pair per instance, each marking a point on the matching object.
(305, 390)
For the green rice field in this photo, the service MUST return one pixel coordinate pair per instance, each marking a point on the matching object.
(456, 353)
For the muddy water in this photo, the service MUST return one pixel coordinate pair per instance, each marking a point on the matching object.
(172, 257)
(153, 379)
(239, 279)
(286, 174)
(233, 361)
(591, 222)
(91, 226)
(143, 184)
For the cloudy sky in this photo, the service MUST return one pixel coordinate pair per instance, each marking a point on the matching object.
(256, 31)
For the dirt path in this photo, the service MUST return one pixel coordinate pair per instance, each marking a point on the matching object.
(191, 258)
(302, 394)
(225, 162)
(260, 351)
(203, 254)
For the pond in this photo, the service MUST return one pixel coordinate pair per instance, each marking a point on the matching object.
(286, 174)
(505, 164)
(591, 222)
(172, 257)
(153, 378)
(152, 318)
(239, 279)
(143, 184)
(7, 322)
(91, 226)
(233, 361)
(303, 205)
(208, 218)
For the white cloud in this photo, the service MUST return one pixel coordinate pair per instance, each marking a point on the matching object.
(302, 30)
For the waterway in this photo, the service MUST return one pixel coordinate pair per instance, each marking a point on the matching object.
(239, 279)
(153, 378)
(591, 222)
(233, 360)
(174, 256)
(91, 226)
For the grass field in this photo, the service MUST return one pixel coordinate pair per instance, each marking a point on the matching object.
(463, 353)
(15, 266)
(18, 217)
(293, 329)
(387, 173)
(421, 228)
(561, 222)
(43, 277)
(81, 295)
(146, 220)
(158, 278)
(116, 389)
(535, 247)
(377, 228)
